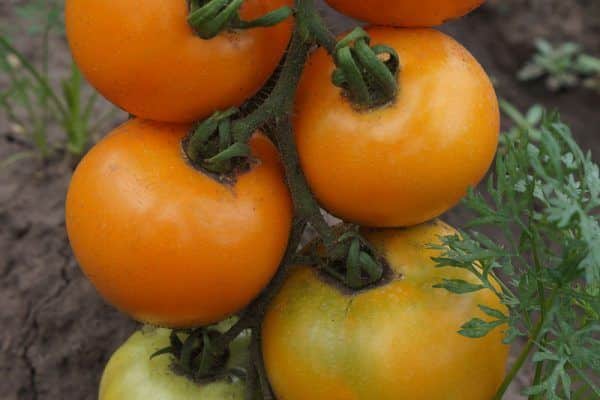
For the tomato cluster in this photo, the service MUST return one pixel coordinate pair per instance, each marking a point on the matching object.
(180, 246)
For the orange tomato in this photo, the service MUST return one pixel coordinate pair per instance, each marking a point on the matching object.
(408, 13)
(145, 58)
(396, 341)
(166, 243)
(407, 162)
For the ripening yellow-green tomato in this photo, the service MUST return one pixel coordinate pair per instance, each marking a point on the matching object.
(396, 341)
(132, 375)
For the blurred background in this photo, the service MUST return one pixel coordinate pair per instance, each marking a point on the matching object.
(56, 334)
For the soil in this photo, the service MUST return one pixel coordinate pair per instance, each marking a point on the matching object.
(56, 333)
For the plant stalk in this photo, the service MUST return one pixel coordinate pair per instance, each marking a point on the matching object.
(510, 377)
(278, 107)
(310, 28)
(542, 295)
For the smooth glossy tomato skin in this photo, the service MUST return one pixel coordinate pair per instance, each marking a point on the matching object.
(145, 58)
(396, 341)
(132, 375)
(406, 13)
(408, 162)
(166, 243)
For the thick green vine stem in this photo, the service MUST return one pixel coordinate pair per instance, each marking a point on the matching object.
(219, 142)
(209, 18)
(222, 138)
(347, 256)
(314, 26)
(368, 75)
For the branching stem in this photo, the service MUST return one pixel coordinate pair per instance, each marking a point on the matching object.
(310, 29)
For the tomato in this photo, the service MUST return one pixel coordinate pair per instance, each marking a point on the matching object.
(166, 243)
(132, 375)
(395, 341)
(412, 160)
(145, 58)
(408, 13)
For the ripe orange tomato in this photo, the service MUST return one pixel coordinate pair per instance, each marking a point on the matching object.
(408, 13)
(395, 341)
(412, 160)
(166, 243)
(145, 58)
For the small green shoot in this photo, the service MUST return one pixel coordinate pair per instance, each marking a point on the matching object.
(29, 98)
(564, 66)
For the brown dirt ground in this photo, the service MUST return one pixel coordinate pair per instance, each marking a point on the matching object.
(56, 333)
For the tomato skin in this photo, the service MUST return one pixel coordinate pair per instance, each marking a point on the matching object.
(145, 58)
(406, 13)
(396, 341)
(408, 162)
(132, 375)
(166, 243)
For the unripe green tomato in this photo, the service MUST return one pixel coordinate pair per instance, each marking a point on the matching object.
(132, 375)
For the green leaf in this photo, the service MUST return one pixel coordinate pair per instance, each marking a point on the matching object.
(535, 114)
(478, 328)
(459, 286)
(493, 313)
(14, 158)
(166, 350)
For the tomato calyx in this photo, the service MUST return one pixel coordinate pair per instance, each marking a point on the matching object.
(212, 148)
(367, 74)
(351, 261)
(195, 356)
(208, 18)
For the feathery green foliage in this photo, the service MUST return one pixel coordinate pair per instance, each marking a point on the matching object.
(544, 197)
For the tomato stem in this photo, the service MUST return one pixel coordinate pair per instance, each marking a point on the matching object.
(310, 28)
(281, 98)
(251, 381)
(306, 207)
(269, 19)
(355, 271)
(278, 107)
(251, 318)
(314, 25)
(209, 18)
(367, 74)
(259, 365)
